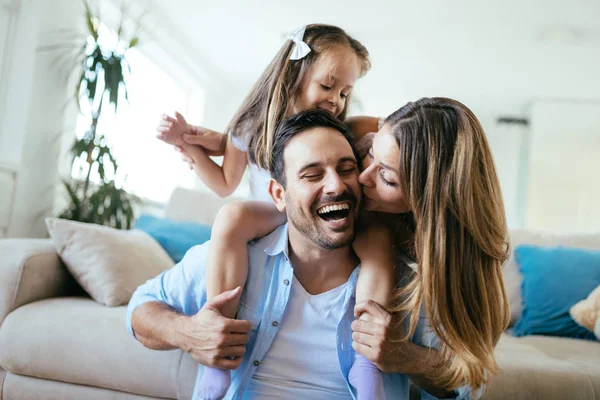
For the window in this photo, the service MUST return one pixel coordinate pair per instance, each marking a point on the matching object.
(148, 167)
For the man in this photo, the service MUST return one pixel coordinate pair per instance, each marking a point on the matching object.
(292, 338)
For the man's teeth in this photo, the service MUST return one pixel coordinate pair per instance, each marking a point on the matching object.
(333, 207)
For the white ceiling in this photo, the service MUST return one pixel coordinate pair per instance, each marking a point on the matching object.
(497, 57)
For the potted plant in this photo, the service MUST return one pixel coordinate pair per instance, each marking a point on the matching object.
(102, 81)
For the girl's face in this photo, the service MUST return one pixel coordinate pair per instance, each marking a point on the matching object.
(329, 82)
(380, 177)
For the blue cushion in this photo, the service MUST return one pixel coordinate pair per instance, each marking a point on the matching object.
(554, 279)
(175, 237)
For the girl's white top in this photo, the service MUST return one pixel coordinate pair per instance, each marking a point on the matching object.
(259, 178)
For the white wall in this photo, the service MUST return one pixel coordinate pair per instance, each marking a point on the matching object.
(37, 114)
(509, 149)
(563, 190)
(33, 104)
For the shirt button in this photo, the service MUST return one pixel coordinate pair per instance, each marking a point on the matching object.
(256, 362)
(275, 323)
(286, 282)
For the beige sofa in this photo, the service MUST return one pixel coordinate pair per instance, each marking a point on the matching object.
(56, 343)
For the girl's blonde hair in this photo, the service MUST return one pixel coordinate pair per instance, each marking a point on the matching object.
(270, 99)
(449, 180)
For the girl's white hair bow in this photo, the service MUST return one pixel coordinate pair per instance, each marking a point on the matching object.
(301, 49)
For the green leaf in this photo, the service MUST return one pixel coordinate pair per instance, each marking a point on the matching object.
(134, 41)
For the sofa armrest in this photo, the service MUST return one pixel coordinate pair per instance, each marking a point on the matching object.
(30, 270)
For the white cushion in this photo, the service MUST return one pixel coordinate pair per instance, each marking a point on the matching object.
(195, 206)
(108, 263)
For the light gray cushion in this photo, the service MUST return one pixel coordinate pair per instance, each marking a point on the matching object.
(30, 270)
(543, 367)
(19, 387)
(79, 341)
(108, 263)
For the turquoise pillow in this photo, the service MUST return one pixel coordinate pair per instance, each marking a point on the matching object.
(175, 237)
(554, 279)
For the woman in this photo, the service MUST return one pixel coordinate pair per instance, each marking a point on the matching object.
(431, 165)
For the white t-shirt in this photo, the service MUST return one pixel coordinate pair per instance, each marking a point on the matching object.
(302, 362)
(259, 178)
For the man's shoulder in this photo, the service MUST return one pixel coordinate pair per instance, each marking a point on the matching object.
(198, 251)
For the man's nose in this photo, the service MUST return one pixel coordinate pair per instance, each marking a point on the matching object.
(334, 184)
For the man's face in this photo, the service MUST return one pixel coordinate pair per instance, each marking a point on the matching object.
(322, 193)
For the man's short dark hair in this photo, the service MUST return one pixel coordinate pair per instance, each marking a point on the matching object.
(299, 123)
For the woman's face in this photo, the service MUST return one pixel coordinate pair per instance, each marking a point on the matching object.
(380, 178)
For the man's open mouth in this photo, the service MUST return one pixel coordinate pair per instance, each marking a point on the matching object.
(334, 212)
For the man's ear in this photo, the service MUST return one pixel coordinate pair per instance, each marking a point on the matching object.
(277, 192)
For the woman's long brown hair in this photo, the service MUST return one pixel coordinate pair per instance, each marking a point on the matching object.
(450, 183)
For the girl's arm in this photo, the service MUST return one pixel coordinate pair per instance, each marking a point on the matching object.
(235, 225)
(361, 125)
(176, 130)
(374, 246)
(223, 180)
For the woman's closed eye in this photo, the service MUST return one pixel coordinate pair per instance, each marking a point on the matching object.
(384, 180)
(325, 87)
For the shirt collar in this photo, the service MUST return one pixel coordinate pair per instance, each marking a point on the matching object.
(278, 242)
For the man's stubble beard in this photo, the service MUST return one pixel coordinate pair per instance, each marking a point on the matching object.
(309, 226)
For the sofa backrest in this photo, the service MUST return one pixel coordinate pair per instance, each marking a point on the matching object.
(195, 206)
(202, 207)
(512, 276)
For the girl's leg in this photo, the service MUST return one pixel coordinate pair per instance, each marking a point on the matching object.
(376, 282)
(227, 268)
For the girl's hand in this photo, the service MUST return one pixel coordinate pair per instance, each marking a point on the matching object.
(213, 143)
(171, 130)
(177, 131)
(373, 242)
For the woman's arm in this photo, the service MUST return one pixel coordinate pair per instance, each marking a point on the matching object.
(223, 180)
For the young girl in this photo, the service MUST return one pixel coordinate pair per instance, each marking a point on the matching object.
(316, 68)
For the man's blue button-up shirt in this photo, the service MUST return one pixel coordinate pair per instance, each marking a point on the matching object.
(264, 298)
